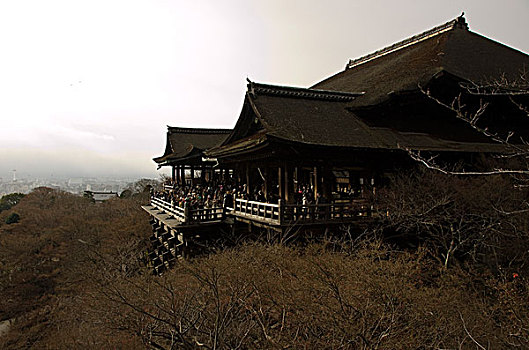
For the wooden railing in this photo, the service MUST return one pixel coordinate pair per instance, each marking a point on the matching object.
(273, 214)
(187, 215)
(258, 211)
(332, 212)
(176, 211)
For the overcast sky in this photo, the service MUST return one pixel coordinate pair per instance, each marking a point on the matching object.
(88, 87)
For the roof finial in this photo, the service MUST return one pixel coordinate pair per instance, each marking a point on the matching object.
(250, 87)
(461, 22)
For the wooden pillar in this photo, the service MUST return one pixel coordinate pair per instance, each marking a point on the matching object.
(286, 187)
(265, 189)
(173, 177)
(327, 182)
(280, 183)
(295, 175)
(247, 179)
(192, 174)
(183, 174)
(177, 174)
(315, 182)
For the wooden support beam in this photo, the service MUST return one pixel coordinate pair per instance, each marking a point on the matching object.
(247, 179)
(192, 173)
(183, 174)
(280, 183)
(173, 170)
(295, 175)
(315, 182)
(265, 189)
(286, 187)
(327, 181)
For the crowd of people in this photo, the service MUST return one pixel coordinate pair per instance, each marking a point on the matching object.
(195, 196)
(224, 194)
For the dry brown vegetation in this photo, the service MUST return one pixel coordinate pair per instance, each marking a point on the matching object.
(480, 220)
(268, 297)
(46, 263)
(72, 278)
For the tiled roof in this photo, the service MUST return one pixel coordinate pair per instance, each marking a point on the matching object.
(458, 22)
(340, 111)
(413, 62)
(185, 142)
(312, 121)
(313, 94)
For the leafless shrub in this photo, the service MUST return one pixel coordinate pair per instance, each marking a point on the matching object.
(479, 219)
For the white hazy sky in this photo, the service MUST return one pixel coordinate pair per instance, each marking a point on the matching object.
(88, 87)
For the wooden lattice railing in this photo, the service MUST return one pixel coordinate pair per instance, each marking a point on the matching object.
(331, 212)
(176, 211)
(187, 215)
(258, 211)
(273, 214)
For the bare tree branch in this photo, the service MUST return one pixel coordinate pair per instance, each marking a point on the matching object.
(430, 164)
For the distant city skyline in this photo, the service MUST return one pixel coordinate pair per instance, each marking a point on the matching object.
(72, 185)
(88, 87)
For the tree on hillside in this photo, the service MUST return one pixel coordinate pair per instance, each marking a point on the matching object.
(10, 200)
(45, 269)
(12, 219)
(471, 219)
(140, 187)
(275, 297)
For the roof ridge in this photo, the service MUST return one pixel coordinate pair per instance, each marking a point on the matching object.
(177, 129)
(291, 91)
(459, 22)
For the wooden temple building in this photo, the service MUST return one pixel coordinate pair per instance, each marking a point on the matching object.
(339, 139)
(184, 151)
